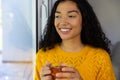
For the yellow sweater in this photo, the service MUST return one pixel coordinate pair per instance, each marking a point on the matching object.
(92, 63)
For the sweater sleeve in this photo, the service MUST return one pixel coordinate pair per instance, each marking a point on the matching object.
(38, 65)
(106, 71)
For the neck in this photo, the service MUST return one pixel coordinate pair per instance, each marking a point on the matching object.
(71, 45)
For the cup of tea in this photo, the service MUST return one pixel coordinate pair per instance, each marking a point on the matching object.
(55, 70)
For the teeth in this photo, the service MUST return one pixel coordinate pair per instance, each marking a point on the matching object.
(64, 29)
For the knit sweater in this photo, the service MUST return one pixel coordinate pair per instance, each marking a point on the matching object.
(92, 63)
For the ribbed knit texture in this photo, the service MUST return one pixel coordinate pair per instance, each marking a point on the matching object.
(92, 63)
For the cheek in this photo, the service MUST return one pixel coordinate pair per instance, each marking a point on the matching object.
(79, 23)
(78, 26)
(55, 23)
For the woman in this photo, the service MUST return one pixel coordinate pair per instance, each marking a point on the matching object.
(74, 39)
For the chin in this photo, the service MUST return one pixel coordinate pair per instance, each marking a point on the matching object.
(65, 38)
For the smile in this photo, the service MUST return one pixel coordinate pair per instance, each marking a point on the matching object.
(65, 30)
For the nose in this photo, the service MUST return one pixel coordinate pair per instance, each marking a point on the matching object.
(63, 21)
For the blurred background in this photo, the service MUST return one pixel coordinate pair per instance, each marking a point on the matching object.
(0, 27)
(17, 39)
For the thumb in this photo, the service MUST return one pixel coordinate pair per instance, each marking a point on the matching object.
(48, 64)
(62, 64)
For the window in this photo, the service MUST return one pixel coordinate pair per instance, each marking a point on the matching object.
(0, 27)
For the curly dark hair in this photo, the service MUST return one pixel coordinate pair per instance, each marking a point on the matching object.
(91, 34)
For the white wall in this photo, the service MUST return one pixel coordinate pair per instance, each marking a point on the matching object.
(108, 12)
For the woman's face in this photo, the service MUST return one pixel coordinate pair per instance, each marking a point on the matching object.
(68, 20)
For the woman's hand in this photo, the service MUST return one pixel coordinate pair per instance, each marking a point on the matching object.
(45, 73)
(69, 73)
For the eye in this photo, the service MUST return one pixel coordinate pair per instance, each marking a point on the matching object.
(57, 16)
(71, 16)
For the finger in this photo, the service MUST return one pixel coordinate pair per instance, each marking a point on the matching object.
(68, 69)
(45, 68)
(73, 71)
(48, 77)
(62, 79)
(66, 79)
(66, 75)
(62, 64)
(45, 71)
(48, 64)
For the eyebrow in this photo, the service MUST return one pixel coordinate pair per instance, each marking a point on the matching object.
(68, 11)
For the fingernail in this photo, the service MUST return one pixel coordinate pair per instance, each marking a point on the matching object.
(57, 74)
(49, 72)
(63, 69)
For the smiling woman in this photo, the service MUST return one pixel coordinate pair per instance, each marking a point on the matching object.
(73, 39)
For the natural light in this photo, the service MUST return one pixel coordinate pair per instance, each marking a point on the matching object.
(0, 27)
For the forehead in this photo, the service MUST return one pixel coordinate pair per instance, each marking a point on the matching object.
(67, 6)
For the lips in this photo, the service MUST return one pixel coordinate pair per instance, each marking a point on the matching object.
(65, 29)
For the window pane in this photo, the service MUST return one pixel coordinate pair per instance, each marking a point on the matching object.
(0, 27)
